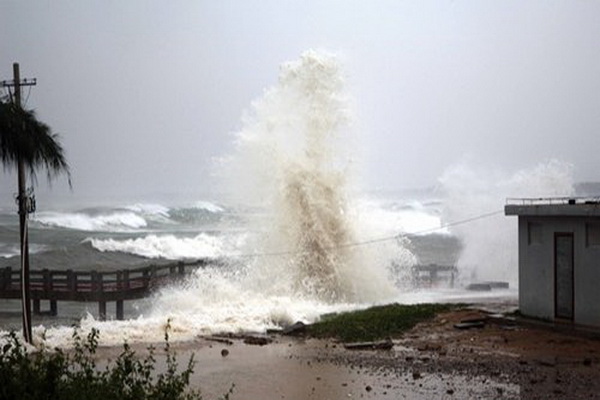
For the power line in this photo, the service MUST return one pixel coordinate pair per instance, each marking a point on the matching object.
(376, 240)
(28, 94)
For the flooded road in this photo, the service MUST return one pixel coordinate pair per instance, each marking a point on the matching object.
(297, 369)
(499, 360)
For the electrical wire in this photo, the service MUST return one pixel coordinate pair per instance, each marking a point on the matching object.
(374, 241)
(27, 98)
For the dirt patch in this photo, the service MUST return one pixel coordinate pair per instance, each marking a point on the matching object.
(501, 359)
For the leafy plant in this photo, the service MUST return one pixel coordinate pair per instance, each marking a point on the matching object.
(75, 375)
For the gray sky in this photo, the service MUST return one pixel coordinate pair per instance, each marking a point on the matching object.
(146, 93)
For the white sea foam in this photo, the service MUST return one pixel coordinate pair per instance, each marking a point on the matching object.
(216, 301)
(208, 206)
(110, 222)
(212, 301)
(490, 244)
(150, 209)
(168, 247)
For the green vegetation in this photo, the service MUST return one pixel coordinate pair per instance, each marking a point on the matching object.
(75, 375)
(26, 143)
(23, 138)
(375, 323)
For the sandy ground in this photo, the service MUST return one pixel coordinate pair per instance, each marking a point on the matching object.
(501, 360)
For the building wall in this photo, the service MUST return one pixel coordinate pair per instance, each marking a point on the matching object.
(536, 268)
(536, 273)
(587, 282)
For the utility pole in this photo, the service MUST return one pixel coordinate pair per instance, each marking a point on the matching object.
(24, 202)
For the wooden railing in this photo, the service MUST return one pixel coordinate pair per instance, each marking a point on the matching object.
(94, 286)
(433, 274)
(132, 284)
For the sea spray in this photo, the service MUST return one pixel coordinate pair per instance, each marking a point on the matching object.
(169, 247)
(307, 250)
(309, 204)
(290, 158)
(490, 243)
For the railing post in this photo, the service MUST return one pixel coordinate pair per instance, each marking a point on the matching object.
(6, 278)
(71, 281)
(96, 282)
(126, 279)
(47, 280)
(120, 281)
(102, 310)
(120, 312)
(153, 276)
(10, 278)
(98, 289)
(53, 308)
(146, 277)
(149, 276)
(181, 266)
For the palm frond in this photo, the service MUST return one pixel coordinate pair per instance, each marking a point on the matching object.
(24, 138)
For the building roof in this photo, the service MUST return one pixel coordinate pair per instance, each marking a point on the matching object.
(554, 206)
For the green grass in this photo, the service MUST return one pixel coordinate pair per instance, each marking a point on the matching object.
(375, 323)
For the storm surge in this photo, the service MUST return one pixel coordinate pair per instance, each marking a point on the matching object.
(300, 250)
(292, 157)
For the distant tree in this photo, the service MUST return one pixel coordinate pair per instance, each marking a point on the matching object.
(28, 144)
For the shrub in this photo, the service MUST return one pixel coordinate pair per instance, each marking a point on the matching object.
(75, 375)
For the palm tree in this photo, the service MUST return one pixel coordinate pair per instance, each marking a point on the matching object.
(26, 143)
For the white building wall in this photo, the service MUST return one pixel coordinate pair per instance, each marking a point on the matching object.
(536, 274)
(536, 269)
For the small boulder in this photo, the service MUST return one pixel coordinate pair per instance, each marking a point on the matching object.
(298, 328)
(257, 340)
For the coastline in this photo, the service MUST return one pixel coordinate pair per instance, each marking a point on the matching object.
(432, 360)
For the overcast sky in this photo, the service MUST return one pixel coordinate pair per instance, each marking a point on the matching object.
(146, 93)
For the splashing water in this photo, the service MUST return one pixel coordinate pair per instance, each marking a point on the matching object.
(302, 226)
(490, 245)
(303, 181)
(310, 203)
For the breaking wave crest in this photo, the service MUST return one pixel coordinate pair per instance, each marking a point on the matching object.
(130, 218)
(115, 221)
(168, 247)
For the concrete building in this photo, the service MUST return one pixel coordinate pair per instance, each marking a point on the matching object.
(559, 258)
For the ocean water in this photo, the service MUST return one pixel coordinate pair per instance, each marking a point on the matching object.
(295, 235)
(254, 290)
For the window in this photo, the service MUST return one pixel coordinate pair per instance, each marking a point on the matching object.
(592, 234)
